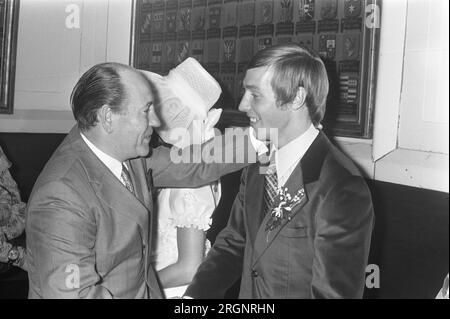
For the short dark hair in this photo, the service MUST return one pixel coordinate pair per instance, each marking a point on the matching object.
(296, 66)
(98, 86)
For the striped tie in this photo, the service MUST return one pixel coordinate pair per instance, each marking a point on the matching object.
(153, 190)
(271, 186)
(127, 179)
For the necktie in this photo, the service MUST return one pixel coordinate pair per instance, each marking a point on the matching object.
(127, 179)
(271, 187)
(152, 189)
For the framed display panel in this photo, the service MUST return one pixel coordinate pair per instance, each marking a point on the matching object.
(9, 14)
(224, 34)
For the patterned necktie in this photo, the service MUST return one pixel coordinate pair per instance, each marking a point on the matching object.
(152, 189)
(127, 179)
(271, 187)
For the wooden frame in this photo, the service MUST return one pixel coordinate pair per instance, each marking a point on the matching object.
(360, 125)
(9, 14)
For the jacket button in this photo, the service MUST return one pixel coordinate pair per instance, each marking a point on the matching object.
(254, 273)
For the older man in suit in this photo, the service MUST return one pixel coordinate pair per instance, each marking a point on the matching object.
(88, 218)
(301, 227)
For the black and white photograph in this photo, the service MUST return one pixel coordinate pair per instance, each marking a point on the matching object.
(228, 155)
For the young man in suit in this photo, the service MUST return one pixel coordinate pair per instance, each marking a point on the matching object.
(300, 228)
(88, 218)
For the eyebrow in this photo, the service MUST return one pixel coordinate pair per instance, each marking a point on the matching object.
(250, 87)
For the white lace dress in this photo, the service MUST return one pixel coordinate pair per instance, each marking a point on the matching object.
(181, 207)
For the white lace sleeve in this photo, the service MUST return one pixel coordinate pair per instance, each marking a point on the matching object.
(193, 207)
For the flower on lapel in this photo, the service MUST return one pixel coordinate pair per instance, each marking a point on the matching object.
(282, 208)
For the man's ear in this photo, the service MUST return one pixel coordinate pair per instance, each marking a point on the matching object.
(300, 99)
(105, 117)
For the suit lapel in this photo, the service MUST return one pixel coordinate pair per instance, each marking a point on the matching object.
(254, 205)
(265, 238)
(119, 199)
(139, 180)
(110, 190)
(314, 157)
(143, 187)
(304, 178)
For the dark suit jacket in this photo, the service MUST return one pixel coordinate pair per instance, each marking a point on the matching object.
(87, 235)
(320, 253)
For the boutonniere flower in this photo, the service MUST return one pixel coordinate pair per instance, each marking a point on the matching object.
(282, 208)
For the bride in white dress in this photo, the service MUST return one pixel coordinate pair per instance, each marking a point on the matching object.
(184, 214)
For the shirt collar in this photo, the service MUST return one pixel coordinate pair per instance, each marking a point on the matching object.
(287, 157)
(113, 165)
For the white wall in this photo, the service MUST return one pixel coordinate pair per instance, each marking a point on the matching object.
(51, 56)
(424, 105)
(410, 143)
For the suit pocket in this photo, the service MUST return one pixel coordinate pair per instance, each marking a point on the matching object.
(294, 232)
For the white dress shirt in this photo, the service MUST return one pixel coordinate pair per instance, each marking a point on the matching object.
(287, 157)
(111, 163)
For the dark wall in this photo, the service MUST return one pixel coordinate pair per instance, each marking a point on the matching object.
(410, 242)
(28, 152)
